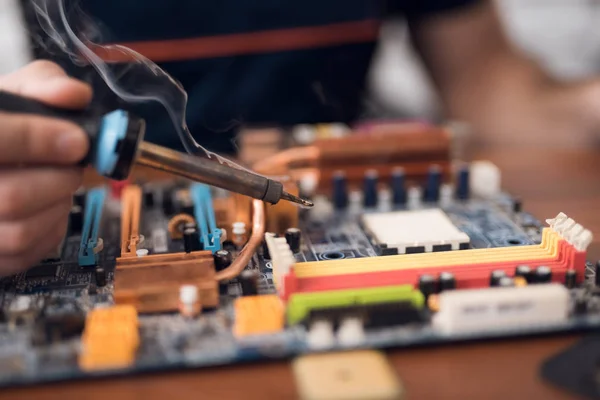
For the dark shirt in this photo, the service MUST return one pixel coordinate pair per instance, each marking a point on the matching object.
(255, 61)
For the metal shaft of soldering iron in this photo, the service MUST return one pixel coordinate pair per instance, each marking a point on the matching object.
(215, 174)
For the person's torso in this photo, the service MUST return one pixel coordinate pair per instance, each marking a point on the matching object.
(250, 62)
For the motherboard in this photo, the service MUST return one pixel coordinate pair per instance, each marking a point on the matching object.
(405, 246)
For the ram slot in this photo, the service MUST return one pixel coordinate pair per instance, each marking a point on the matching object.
(563, 248)
(210, 235)
(131, 201)
(90, 243)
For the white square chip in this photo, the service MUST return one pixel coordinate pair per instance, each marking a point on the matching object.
(415, 231)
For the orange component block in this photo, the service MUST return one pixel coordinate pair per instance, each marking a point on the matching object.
(257, 315)
(110, 339)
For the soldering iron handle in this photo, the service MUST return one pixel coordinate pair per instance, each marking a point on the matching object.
(114, 137)
(86, 119)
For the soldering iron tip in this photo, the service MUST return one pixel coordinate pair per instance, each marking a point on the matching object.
(295, 199)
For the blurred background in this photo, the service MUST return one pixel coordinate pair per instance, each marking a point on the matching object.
(564, 35)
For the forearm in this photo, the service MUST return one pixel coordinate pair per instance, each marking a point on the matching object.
(507, 98)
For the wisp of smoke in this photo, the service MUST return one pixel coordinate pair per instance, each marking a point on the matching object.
(138, 80)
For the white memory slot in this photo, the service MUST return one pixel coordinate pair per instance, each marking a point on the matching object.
(493, 309)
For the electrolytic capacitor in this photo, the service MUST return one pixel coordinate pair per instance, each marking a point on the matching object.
(427, 285)
(525, 272)
(370, 193)
(495, 277)
(92, 289)
(581, 305)
(543, 274)
(293, 237)
(100, 276)
(265, 251)
(191, 240)
(186, 207)
(571, 278)
(75, 220)
(249, 282)
(398, 187)
(432, 187)
(506, 282)
(517, 205)
(79, 198)
(462, 183)
(447, 281)
(597, 271)
(149, 198)
(340, 190)
(168, 205)
(222, 259)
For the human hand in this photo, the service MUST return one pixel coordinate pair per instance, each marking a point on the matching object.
(37, 165)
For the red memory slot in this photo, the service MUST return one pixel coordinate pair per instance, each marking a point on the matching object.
(468, 276)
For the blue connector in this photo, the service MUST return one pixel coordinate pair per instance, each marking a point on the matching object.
(210, 235)
(91, 225)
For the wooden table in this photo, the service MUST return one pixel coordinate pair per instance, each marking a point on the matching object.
(547, 181)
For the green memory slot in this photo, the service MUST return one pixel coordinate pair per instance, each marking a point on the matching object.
(301, 304)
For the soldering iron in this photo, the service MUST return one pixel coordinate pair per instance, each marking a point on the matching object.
(116, 144)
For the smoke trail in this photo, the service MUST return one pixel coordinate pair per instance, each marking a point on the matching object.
(138, 80)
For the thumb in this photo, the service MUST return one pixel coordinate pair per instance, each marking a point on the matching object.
(48, 82)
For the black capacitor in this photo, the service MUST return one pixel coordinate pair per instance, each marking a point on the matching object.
(222, 259)
(571, 278)
(249, 282)
(149, 198)
(517, 205)
(447, 281)
(92, 289)
(265, 251)
(427, 285)
(581, 305)
(506, 282)
(543, 274)
(525, 272)
(76, 220)
(495, 277)
(340, 190)
(398, 187)
(462, 183)
(100, 276)
(432, 187)
(191, 240)
(597, 271)
(168, 205)
(79, 198)
(293, 237)
(370, 190)
(187, 208)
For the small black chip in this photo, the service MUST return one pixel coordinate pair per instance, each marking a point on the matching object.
(43, 271)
